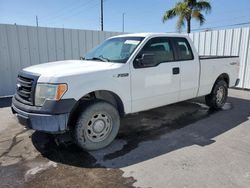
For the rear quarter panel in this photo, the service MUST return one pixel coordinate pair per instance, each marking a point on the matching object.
(211, 69)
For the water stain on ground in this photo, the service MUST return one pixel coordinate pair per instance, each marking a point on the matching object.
(12, 175)
(62, 176)
(69, 176)
(74, 165)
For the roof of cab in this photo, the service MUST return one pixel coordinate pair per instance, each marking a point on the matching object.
(150, 35)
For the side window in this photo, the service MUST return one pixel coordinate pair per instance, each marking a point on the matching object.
(160, 47)
(184, 49)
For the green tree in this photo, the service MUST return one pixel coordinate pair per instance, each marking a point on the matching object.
(186, 10)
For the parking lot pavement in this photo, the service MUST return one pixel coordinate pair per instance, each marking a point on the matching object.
(180, 145)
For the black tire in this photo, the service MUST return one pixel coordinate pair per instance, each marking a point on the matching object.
(97, 125)
(218, 97)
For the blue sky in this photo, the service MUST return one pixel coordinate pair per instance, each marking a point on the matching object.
(140, 15)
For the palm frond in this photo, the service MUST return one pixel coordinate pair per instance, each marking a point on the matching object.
(198, 16)
(191, 3)
(182, 8)
(203, 5)
(169, 14)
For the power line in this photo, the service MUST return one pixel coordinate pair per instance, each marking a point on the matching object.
(72, 11)
(228, 19)
(62, 10)
(230, 25)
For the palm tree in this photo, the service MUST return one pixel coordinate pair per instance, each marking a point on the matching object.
(186, 10)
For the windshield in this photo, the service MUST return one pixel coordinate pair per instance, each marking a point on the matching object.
(115, 49)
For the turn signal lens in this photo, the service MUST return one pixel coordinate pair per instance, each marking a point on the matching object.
(61, 89)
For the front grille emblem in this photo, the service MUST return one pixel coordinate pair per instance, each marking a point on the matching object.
(18, 86)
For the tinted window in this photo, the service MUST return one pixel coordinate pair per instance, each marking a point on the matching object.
(184, 49)
(160, 47)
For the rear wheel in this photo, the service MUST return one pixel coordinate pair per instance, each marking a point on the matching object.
(218, 97)
(97, 126)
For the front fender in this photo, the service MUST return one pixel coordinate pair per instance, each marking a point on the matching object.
(119, 86)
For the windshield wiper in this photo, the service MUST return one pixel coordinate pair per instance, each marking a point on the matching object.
(100, 58)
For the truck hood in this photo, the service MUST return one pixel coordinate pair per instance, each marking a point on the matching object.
(70, 67)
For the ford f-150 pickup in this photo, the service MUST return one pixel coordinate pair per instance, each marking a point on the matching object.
(125, 74)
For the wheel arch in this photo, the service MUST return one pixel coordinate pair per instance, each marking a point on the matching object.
(86, 99)
(223, 76)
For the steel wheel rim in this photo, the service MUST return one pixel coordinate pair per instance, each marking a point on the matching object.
(220, 95)
(98, 127)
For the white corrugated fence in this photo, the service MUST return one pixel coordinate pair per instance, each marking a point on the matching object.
(234, 42)
(23, 46)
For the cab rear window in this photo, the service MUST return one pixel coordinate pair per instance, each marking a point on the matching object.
(184, 49)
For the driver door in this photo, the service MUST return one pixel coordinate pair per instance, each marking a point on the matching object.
(155, 83)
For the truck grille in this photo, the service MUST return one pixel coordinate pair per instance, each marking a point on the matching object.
(26, 88)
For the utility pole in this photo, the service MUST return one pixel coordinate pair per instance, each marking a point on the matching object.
(101, 15)
(37, 21)
(123, 21)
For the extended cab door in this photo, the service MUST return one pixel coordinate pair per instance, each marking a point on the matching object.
(155, 78)
(189, 68)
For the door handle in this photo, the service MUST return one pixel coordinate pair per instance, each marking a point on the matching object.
(233, 63)
(176, 70)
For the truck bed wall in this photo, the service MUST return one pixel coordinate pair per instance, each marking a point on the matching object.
(212, 68)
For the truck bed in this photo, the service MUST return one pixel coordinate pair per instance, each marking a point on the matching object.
(213, 66)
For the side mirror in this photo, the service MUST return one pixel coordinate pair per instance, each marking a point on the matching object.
(147, 60)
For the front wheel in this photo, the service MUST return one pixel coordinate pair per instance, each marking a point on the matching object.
(97, 126)
(218, 97)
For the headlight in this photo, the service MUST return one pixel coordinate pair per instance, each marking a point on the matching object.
(49, 92)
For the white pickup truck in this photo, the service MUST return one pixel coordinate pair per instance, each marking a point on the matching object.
(123, 75)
